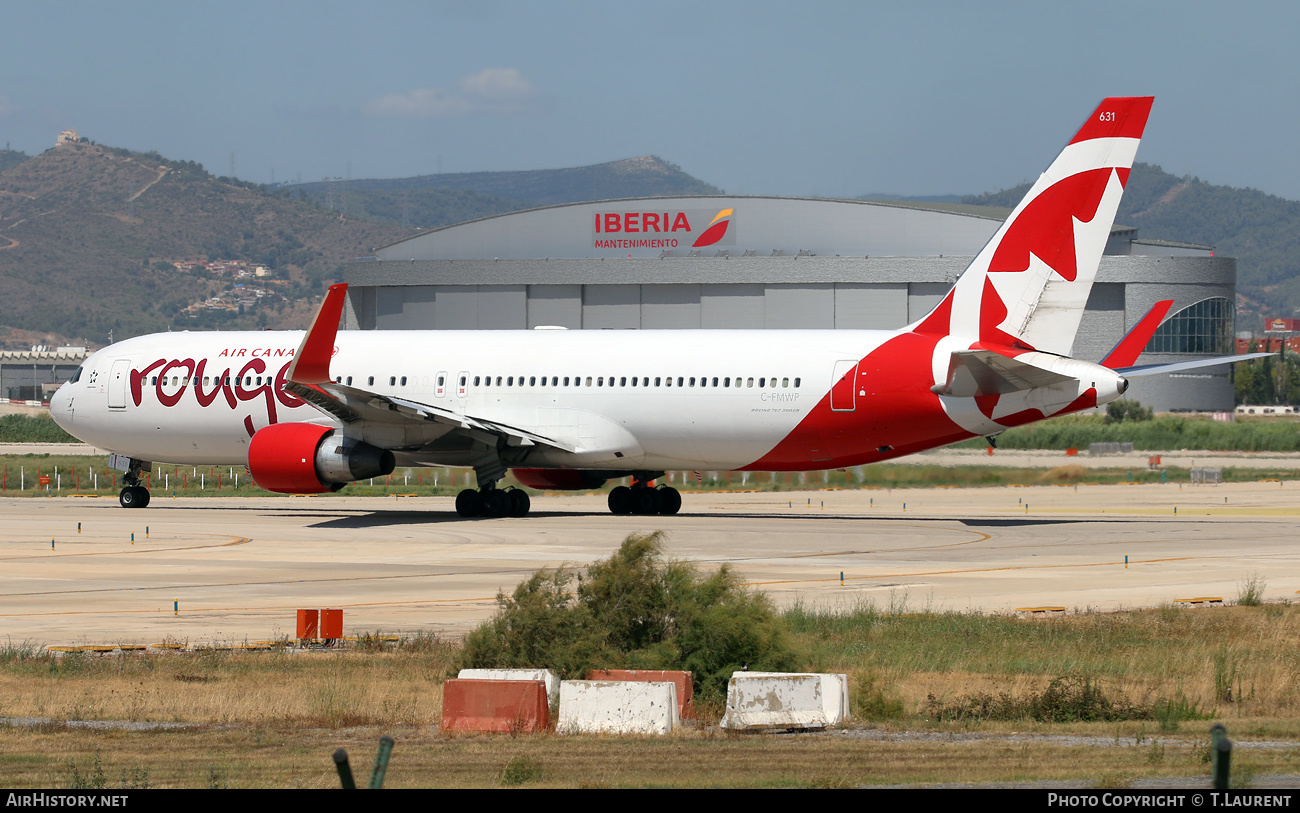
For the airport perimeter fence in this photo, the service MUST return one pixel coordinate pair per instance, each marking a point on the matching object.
(1110, 448)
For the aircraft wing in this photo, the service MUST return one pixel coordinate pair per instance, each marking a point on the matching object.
(418, 420)
(383, 419)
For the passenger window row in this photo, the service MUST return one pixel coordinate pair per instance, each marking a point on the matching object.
(185, 381)
(724, 382)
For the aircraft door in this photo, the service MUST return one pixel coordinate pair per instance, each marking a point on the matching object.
(441, 387)
(462, 384)
(117, 378)
(844, 386)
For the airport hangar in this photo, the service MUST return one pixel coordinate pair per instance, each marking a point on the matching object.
(774, 263)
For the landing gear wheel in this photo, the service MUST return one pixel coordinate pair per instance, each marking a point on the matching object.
(645, 501)
(620, 500)
(469, 503)
(133, 497)
(495, 503)
(670, 500)
(519, 502)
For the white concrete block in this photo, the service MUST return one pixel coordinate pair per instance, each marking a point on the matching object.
(617, 707)
(835, 692)
(758, 701)
(545, 675)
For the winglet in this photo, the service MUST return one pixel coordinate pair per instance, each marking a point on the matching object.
(311, 364)
(1131, 346)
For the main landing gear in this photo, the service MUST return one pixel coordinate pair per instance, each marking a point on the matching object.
(490, 501)
(640, 498)
(134, 495)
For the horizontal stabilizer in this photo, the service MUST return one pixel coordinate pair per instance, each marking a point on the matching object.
(1173, 367)
(1133, 343)
(983, 372)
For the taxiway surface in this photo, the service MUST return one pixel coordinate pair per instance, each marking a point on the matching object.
(236, 569)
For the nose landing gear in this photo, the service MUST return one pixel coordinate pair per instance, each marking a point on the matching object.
(134, 495)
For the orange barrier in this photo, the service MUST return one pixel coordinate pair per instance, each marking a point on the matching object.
(331, 624)
(685, 687)
(308, 624)
(501, 706)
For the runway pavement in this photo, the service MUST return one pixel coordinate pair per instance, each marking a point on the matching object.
(238, 568)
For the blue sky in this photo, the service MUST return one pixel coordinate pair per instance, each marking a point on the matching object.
(812, 98)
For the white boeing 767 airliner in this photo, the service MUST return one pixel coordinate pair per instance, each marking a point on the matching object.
(310, 412)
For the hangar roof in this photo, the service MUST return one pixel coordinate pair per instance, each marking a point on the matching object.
(733, 225)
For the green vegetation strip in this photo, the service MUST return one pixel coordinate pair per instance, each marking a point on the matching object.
(1163, 433)
(20, 477)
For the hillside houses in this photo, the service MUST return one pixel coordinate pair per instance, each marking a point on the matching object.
(234, 269)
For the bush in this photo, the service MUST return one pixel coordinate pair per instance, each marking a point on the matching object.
(1067, 699)
(634, 611)
(1120, 411)
(1250, 590)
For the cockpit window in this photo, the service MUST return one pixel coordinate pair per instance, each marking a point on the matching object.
(76, 376)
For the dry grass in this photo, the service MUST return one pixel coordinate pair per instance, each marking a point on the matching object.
(273, 719)
(422, 758)
(1064, 474)
(1235, 661)
(273, 690)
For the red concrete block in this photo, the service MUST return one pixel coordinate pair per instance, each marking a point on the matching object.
(501, 706)
(684, 681)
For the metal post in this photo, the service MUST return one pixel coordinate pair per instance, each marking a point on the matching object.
(381, 762)
(345, 770)
(1220, 756)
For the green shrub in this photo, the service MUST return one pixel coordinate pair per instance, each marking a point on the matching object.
(520, 771)
(1067, 699)
(1123, 410)
(1250, 590)
(634, 610)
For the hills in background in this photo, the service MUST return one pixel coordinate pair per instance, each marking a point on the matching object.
(11, 158)
(90, 235)
(431, 201)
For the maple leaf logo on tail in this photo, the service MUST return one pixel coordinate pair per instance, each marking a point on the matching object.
(1028, 286)
(717, 229)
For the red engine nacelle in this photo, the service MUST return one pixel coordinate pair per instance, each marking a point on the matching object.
(560, 479)
(282, 458)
